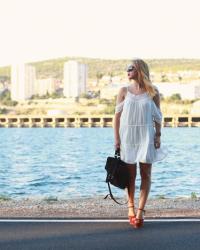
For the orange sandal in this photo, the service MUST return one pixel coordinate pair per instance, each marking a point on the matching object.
(139, 222)
(131, 217)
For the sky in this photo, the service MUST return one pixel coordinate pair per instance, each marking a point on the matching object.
(33, 30)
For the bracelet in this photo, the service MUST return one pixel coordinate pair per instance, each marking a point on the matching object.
(158, 134)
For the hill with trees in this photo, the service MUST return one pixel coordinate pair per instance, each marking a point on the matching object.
(99, 67)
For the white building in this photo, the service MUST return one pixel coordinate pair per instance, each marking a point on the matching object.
(44, 86)
(75, 79)
(23, 78)
(187, 91)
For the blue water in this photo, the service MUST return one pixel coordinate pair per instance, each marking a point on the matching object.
(69, 163)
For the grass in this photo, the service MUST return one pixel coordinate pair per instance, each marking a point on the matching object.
(193, 195)
(4, 198)
(160, 196)
(51, 199)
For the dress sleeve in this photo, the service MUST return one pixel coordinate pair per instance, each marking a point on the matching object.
(119, 107)
(156, 113)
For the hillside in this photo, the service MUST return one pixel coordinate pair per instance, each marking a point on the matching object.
(54, 67)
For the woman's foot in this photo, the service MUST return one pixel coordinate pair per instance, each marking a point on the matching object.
(139, 220)
(131, 214)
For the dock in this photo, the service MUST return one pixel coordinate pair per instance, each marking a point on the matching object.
(77, 121)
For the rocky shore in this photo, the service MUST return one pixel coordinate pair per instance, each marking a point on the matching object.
(96, 208)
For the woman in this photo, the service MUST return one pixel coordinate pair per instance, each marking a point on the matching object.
(137, 111)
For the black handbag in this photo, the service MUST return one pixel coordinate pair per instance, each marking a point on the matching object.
(117, 174)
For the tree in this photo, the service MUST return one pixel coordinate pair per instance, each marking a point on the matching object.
(99, 75)
(175, 97)
(180, 78)
(5, 99)
(164, 78)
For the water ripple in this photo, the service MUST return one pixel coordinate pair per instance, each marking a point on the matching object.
(69, 163)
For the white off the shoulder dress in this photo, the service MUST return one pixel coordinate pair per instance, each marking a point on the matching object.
(137, 129)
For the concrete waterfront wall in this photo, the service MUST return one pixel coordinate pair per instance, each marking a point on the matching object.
(40, 121)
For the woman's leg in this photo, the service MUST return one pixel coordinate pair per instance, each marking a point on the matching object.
(131, 189)
(145, 173)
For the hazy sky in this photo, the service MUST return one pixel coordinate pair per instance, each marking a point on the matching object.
(40, 29)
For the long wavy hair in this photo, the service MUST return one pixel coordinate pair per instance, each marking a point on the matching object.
(144, 76)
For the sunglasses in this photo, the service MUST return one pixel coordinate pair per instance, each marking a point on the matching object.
(130, 68)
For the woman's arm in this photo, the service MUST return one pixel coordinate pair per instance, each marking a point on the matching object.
(116, 122)
(156, 100)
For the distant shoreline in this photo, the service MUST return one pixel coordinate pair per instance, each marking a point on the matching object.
(96, 207)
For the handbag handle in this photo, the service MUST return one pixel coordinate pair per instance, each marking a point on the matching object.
(112, 197)
(117, 153)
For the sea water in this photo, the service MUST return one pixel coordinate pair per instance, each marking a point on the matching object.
(69, 163)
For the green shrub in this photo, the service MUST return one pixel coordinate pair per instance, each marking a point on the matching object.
(3, 111)
(5, 99)
(9, 103)
(175, 97)
(160, 196)
(51, 199)
(4, 198)
(91, 104)
(109, 110)
(185, 112)
(85, 95)
(193, 195)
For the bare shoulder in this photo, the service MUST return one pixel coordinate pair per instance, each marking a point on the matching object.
(122, 90)
(121, 94)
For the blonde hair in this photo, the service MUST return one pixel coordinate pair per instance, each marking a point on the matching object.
(144, 76)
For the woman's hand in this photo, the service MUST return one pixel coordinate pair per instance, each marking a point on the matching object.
(157, 141)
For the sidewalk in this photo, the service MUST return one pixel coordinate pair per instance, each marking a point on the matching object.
(97, 208)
